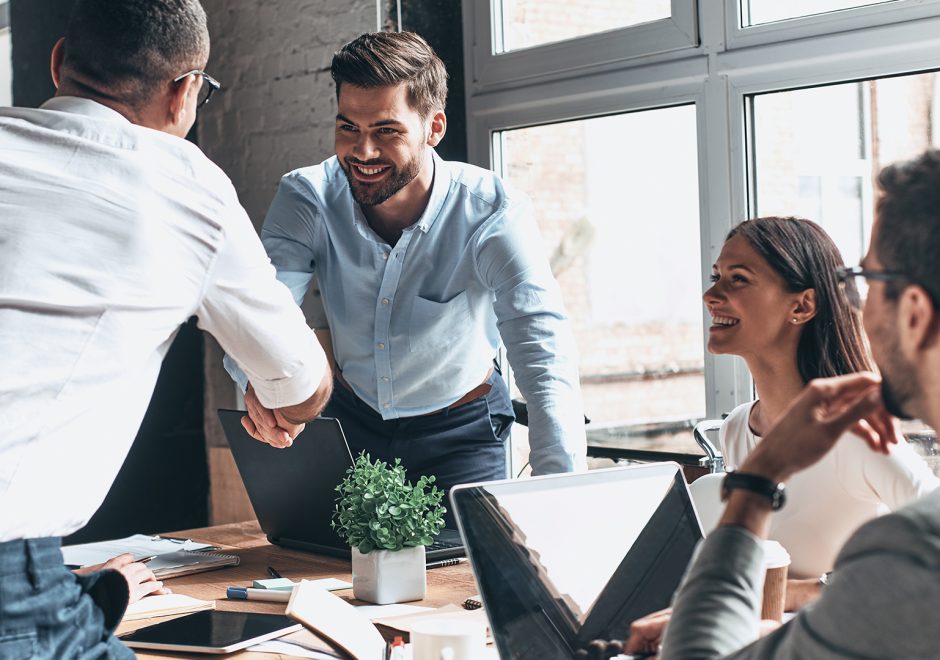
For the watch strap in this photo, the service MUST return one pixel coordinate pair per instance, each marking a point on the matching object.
(754, 483)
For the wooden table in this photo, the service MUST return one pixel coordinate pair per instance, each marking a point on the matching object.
(451, 584)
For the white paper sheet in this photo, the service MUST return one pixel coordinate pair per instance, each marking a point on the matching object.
(139, 545)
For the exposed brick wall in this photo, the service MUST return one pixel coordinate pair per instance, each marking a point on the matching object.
(276, 112)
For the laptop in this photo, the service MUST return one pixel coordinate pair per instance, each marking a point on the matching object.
(293, 490)
(565, 559)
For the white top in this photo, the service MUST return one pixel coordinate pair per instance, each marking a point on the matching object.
(111, 236)
(828, 501)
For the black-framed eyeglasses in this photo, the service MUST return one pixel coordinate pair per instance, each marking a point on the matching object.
(857, 294)
(209, 85)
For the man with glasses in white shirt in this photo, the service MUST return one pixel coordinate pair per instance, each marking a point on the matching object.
(114, 230)
(425, 266)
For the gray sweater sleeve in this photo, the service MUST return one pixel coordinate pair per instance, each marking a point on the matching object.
(881, 603)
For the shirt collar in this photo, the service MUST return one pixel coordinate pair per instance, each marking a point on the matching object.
(439, 189)
(81, 106)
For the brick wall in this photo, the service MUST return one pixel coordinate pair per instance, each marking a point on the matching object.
(276, 112)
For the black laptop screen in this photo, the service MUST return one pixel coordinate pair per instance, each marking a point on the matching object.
(566, 559)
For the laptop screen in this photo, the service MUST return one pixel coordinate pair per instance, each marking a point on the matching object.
(565, 559)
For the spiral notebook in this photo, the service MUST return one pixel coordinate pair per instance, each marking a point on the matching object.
(184, 562)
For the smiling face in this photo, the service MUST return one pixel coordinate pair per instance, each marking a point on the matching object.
(752, 310)
(381, 142)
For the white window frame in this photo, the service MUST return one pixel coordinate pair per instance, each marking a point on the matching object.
(725, 66)
(488, 69)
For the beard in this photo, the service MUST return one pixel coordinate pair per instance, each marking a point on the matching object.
(373, 194)
(897, 382)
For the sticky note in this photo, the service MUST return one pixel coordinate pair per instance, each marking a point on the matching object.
(276, 584)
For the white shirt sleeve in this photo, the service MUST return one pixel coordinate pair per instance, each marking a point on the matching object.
(256, 321)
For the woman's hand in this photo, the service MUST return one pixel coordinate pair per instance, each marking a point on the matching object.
(140, 580)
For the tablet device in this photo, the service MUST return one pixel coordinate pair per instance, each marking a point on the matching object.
(211, 631)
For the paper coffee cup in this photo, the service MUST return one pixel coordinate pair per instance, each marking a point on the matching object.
(776, 564)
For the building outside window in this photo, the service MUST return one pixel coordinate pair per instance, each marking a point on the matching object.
(638, 164)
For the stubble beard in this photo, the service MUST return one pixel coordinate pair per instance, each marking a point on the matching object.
(898, 386)
(375, 194)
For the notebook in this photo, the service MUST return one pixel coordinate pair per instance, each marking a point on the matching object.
(293, 490)
(564, 559)
(183, 562)
(165, 605)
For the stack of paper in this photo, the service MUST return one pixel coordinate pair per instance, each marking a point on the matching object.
(165, 605)
(139, 545)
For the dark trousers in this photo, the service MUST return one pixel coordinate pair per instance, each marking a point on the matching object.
(457, 446)
(46, 611)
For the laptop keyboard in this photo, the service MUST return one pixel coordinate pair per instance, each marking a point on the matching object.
(443, 545)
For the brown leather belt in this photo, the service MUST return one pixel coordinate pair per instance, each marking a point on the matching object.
(480, 390)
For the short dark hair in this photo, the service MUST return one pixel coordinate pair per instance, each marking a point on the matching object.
(129, 48)
(382, 59)
(908, 212)
(803, 254)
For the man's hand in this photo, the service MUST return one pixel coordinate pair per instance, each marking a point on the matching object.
(268, 425)
(140, 580)
(646, 633)
(816, 419)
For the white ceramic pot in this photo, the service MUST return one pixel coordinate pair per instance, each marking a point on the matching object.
(387, 576)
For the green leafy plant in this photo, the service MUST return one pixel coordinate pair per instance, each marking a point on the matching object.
(377, 509)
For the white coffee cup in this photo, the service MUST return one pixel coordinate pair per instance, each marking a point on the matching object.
(450, 639)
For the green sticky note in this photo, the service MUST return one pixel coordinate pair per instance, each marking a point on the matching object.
(274, 584)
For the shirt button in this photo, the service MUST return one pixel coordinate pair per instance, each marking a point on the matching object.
(385, 301)
(385, 255)
(387, 404)
(381, 345)
(385, 378)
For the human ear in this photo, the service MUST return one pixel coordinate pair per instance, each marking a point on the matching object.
(56, 60)
(805, 307)
(177, 107)
(437, 128)
(918, 321)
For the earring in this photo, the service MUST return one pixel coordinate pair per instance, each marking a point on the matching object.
(794, 320)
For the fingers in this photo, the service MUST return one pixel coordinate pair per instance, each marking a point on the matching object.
(853, 411)
(276, 437)
(260, 415)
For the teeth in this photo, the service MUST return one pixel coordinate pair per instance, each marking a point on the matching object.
(723, 320)
(370, 171)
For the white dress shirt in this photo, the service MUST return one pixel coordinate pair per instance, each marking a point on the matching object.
(111, 236)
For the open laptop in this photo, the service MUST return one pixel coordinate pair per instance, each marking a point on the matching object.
(564, 559)
(293, 490)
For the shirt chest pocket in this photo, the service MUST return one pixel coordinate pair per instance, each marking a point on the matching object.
(435, 325)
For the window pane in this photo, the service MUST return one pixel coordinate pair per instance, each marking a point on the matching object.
(818, 151)
(6, 67)
(526, 23)
(617, 202)
(755, 12)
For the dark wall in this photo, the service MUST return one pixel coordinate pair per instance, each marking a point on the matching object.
(440, 23)
(164, 484)
(35, 26)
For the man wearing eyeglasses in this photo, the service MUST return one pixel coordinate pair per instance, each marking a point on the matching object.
(881, 599)
(114, 231)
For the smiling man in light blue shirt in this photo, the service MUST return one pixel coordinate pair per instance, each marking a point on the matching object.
(425, 266)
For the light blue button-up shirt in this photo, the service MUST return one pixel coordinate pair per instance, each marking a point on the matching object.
(416, 326)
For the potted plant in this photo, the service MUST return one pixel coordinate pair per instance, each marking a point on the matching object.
(387, 522)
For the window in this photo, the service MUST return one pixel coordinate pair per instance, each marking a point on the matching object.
(607, 220)
(527, 23)
(718, 121)
(755, 12)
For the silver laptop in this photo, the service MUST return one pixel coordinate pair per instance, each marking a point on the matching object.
(564, 559)
(293, 490)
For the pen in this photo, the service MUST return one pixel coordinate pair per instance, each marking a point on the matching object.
(445, 562)
(247, 593)
(144, 560)
(273, 573)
